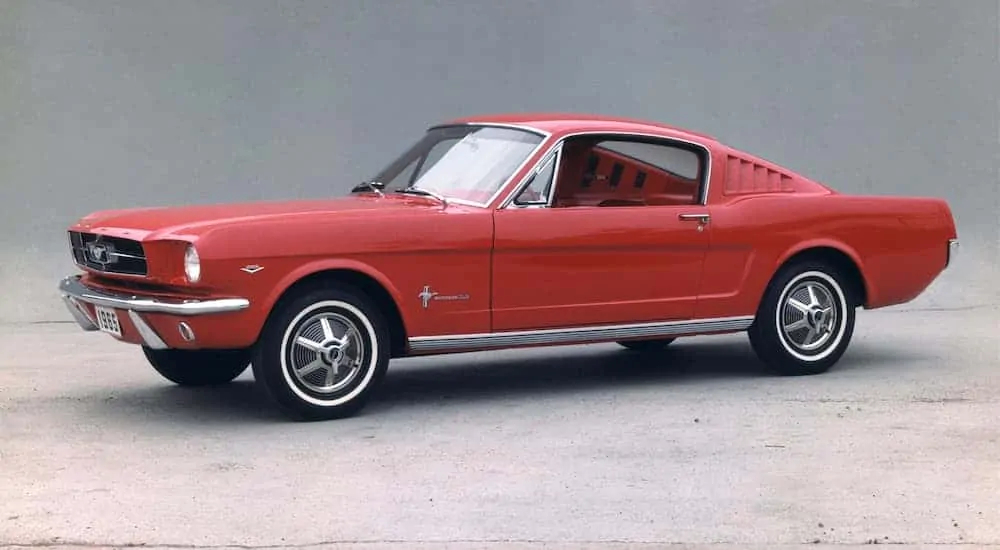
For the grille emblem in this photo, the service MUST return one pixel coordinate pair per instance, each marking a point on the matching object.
(99, 253)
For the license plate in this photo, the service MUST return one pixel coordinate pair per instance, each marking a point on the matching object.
(107, 321)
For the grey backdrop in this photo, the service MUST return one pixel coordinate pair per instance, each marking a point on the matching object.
(132, 103)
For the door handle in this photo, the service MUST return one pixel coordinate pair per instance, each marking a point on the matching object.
(701, 218)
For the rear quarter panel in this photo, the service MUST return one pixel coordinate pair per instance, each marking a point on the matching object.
(898, 243)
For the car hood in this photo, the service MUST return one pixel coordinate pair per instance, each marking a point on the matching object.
(158, 222)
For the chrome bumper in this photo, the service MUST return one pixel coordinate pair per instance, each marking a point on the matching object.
(952, 252)
(74, 293)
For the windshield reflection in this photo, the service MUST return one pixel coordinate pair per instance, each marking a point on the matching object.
(464, 162)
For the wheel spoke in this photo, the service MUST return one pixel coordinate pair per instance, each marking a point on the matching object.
(327, 329)
(310, 368)
(800, 324)
(345, 340)
(309, 344)
(810, 337)
(798, 305)
(331, 374)
(813, 300)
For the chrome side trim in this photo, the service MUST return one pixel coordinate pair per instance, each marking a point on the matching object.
(149, 336)
(703, 199)
(71, 287)
(579, 335)
(953, 247)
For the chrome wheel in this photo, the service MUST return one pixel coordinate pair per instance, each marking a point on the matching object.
(809, 316)
(327, 353)
(323, 350)
(806, 318)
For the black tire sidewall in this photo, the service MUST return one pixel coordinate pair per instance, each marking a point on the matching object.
(274, 373)
(198, 367)
(767, 336)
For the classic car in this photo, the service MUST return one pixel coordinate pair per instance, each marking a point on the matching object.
(504, 231)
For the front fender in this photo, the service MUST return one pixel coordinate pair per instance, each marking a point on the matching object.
(318, 266)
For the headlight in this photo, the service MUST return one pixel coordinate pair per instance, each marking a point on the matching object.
(192, 264)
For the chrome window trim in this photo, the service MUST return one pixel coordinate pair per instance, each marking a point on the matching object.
(555, 152)
(576, 335)
(506, 184)
(702, 199)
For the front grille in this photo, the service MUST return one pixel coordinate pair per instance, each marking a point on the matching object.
(108, 254)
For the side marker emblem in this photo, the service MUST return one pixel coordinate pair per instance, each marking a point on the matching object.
(427, 295)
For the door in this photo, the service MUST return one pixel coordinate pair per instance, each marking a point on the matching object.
(619, 263)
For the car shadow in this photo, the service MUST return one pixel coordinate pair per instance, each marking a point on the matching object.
(523, 374)
(581, 369)
(427, 382)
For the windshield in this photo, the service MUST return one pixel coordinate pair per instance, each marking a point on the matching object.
(464, 162)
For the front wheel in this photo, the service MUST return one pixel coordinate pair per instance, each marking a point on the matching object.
(805, 321)
(198, 367)
(322, 353)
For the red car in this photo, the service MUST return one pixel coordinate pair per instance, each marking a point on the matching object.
(502, 232)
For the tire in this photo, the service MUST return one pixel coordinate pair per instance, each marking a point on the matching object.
(208, 367)
(785, 350)
(646, 345)
(345, 359)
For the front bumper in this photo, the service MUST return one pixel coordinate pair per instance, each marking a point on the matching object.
(952, 252)
(75, 294)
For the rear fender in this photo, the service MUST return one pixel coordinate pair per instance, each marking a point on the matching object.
(820, 243)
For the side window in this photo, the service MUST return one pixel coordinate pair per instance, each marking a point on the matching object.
(623, 172)
(679, 162)
(539, 186)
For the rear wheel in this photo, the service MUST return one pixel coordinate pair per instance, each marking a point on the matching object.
(806, 319)
(322, 353)
(198, 367)
(646, 345)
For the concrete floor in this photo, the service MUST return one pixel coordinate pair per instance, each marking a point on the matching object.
(589, 447)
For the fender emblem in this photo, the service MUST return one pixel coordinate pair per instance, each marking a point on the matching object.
(426, 295)
(251, 269)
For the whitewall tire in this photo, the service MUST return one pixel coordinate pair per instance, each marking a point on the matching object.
(805, 320)
(322, 353)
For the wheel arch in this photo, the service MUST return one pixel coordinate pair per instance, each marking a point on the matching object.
(361, 276)
(839, 255)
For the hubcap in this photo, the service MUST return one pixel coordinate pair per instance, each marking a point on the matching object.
(326, 353)
(809, 316)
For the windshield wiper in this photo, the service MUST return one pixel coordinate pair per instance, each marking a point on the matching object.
(373, 185)
(411, 190)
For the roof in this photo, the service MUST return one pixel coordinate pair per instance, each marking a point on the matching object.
(571, 122)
